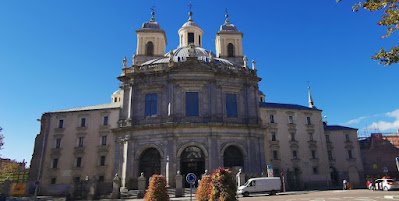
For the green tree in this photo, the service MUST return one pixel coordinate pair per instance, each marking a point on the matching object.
(1, 139)
(389, 19)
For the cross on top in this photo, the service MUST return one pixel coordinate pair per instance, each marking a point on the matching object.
(190, 5)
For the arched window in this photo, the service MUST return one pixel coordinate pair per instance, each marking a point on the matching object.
(230, 50)
(233, 157)
(192, 160)
(149, 49)
(150, 162)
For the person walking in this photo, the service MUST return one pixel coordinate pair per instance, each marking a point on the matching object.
(345, 183)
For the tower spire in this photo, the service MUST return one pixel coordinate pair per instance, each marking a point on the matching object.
(227, 17)
(311, 105)
(190, 13)
(153, 14)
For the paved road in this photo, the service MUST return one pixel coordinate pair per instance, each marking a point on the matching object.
(328, 195)
(331, 195)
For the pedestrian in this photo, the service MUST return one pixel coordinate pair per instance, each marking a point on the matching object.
(373, 185)
(345, 183)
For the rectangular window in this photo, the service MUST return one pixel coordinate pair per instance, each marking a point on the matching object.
(53, 180)
(328, 138)
(293, 137)
(308, 120)
(314, 154)
(275, 155)
(315, 170)
(231, 105)
(311, 138)
(78, 162)
(190, 38)
(76, 179)
(61, 123)
(347, 138)
(271, 118)
(81, 141)
(150, 105)
(83, 122)
(294, 154)
(330, 155)
(192, 106)
(102, 161)
(199, 40)
(105, 120)
(291, 119)
(101, 178)
(274, 137)
(350, 154)
(55, 163)
(103, 140)
(58, 143)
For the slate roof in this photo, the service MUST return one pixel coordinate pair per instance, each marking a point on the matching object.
(285, 106)
(95, 107)
(337, 127)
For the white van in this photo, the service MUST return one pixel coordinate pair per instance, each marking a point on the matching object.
(270, 185)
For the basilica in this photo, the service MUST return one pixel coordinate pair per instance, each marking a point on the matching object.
(191, 110)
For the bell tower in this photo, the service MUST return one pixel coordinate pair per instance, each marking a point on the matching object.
(151, 41)
(190, 33)
(228, 42)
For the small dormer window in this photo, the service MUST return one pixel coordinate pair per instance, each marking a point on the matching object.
(190, 38)
(149, 49)
(230, 50)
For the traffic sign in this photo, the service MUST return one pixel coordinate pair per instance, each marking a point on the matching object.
(191, 178)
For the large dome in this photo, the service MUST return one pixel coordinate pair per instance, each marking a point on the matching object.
(180, 55)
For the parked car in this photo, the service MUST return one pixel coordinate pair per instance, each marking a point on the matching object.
(270, 185)
(386, 184)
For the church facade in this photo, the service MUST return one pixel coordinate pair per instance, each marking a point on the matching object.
(189, 110)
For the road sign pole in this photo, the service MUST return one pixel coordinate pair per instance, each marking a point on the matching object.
(191, 191)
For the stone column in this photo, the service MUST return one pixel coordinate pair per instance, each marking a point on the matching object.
(141, 185)
(116, 184)
(125, 144)
(179, 185)
(129, 112)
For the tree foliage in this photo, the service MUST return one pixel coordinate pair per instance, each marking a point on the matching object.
(157, 189)
(1, 138)
(389, 19)
(204, 189)
(223, 187)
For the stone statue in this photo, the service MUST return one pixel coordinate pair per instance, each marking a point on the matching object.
(124, 62)
(178, 172)
(238, 178)
(142, 174)
(171, 56)
(245, 60)
(253, 64)
(191, 51)
(133, 58)
(210, 60)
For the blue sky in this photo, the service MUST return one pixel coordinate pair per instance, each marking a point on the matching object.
(63, 54)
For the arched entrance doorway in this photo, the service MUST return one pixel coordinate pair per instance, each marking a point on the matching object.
(150, 162)
(192, 160)
(233, 158)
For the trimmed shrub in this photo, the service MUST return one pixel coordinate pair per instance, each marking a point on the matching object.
(157, 189)
(204, 189)
(223, 187)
